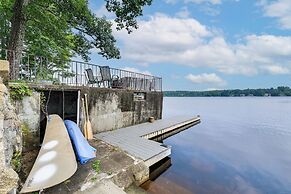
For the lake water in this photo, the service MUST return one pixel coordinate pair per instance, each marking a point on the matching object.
(241, 146)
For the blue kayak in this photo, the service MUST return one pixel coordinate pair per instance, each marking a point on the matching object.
(83, 150)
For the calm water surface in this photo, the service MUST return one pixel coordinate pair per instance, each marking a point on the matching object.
(242, 145)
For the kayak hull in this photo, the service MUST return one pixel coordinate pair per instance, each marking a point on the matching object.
(56, 161)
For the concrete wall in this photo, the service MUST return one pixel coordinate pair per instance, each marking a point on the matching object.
(111, 109)
(28, 112)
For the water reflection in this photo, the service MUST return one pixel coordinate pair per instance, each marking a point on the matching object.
(242, 146)
(164, 136)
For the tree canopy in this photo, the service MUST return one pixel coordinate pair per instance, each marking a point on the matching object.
(64, 28)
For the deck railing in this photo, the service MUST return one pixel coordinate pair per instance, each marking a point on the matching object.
(42, 70)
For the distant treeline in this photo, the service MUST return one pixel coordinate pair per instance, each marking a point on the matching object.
(279, 91)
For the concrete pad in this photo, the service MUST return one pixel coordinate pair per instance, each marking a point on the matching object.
(104, 187)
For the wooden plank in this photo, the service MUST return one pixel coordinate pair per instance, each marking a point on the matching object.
(134, 139)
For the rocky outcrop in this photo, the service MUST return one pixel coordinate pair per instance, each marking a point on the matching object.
(10, 141)
(4, 70)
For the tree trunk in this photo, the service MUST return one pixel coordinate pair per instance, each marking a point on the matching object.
(17, 33)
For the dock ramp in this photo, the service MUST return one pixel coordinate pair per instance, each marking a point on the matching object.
(135, 140)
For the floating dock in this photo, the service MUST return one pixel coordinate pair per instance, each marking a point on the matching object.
(135, 140)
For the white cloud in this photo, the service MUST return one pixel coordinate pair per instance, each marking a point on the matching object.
(273, 69)
(280, 9)
(133, 69)
(183, 13)
(215, 2)
(185, 41)
(103, 12)
(174, 76)
(211, 11)
(211, 2)
(171, 1)
(206, 78)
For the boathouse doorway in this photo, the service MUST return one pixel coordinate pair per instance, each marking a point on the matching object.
(63, 103)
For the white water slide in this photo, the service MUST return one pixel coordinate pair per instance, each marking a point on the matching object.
(56, 160)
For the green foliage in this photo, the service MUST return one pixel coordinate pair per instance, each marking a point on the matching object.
(5, 16)
(93, 179)
(25, 129)
(96, 166)
(16, 161)
(280, 91)
(25, 133)
(126, 11)
(62, 29)
(19, 90)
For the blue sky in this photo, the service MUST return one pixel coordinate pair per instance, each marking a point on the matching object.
(208, 44)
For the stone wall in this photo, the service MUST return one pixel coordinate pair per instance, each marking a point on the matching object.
(4, 71)
(10, 140)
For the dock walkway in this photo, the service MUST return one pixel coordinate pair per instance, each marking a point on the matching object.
(135, 139)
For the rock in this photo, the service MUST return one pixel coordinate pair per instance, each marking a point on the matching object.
(3, 88)
(140, 172)
(9, 180)
(4, 71)
(11, 131)
(10, 141)
(123, 179)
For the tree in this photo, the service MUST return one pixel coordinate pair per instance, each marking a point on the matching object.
(64, 28)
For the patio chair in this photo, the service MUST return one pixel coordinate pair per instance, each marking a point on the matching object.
(91, 78)
(106, 78)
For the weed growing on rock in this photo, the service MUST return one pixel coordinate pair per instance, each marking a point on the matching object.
(96, 166)
(16, 161)
(93, 179)
(19, 90)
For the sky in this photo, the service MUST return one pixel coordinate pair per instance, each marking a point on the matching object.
(207, 44)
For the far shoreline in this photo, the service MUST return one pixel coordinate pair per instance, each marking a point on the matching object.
(281, 91)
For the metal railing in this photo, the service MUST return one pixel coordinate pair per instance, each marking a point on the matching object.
(42, 70)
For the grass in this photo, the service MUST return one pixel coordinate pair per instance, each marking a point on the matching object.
(94, 179)
(96, 166)
(16, 161)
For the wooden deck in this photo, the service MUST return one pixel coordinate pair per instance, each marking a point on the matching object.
(135, 139)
